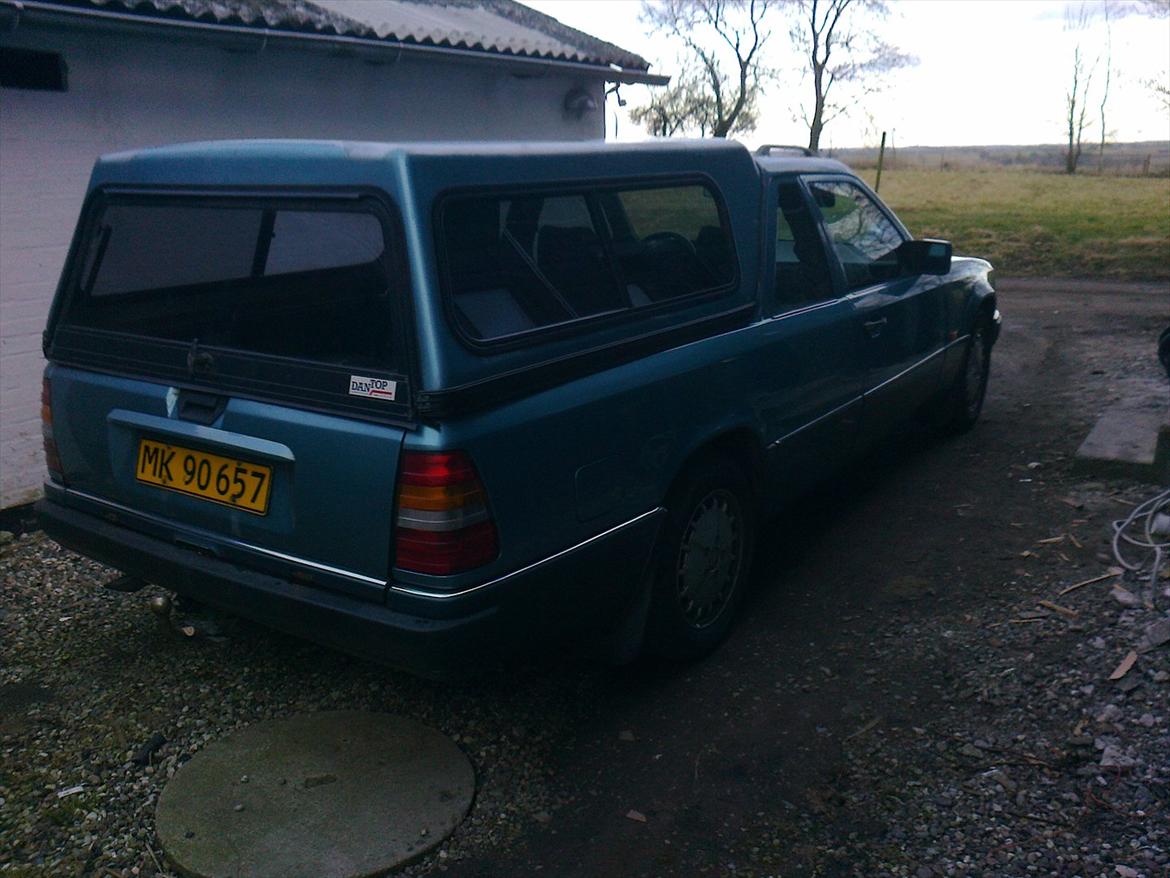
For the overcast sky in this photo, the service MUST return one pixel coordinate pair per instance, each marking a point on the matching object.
(989, 72)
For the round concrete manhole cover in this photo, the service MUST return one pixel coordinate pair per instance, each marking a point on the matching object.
(328, 795)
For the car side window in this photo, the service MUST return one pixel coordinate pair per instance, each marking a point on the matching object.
(517, 263)
(802, 269)
(670, 241)
(864, 238)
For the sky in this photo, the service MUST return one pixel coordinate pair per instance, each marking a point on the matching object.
(989, 72)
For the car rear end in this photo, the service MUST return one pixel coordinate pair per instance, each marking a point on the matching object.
(228, 390)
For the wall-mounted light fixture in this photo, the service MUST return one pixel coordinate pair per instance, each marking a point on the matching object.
(578, 102)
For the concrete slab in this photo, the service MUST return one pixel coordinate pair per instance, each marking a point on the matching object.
(327, 795)
(1128, 442)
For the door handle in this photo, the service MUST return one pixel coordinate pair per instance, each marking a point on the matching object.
(873, 328)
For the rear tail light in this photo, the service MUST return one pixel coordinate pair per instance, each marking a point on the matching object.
(443, 523)
(52, 458)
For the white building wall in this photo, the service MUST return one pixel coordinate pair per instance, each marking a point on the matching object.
(130, 91)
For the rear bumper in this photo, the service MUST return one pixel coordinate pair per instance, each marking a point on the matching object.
(438, 638)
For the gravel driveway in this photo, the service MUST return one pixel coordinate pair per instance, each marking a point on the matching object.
(896, 700)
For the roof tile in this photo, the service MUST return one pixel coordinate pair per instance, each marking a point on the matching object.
(492, 26)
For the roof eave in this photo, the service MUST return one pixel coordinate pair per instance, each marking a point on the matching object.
(19, 12)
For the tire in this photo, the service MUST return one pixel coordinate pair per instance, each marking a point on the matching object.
(704, 556)
(965, 402)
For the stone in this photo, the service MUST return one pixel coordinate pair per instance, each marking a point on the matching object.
(365, 793)
(1156, 634)
(1125, 597)
(1110, 713)
(1125, 443)
(1129, 683)
(1115, 757)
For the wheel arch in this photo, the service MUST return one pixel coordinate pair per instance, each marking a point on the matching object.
(983, 304)
(740, 444)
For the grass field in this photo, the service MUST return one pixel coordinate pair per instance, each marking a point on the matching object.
(1032, 223)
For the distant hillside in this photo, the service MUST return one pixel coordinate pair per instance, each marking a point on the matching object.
(1147, 157)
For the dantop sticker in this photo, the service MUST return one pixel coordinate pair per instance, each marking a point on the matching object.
(373, 388)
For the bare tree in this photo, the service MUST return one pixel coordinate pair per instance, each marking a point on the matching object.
(715, 34)
(1105, 90)
(1076, 106)
(689, 106)
(1076, 97)
(1160, 86)
(1153, 8)
(1078, 19)
(846, 58)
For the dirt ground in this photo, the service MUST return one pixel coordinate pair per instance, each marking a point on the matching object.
(891, 703)
(875, 601)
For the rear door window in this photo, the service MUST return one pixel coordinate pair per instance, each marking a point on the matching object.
(802, 269)
(516, 263)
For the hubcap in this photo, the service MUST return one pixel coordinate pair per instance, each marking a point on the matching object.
(709, 558)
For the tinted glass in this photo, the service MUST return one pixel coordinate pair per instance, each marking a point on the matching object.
(306, 240)
(305, 282)
(146, 247)
(802, 270)
(516, 263)
(863, 236)
(669, 241)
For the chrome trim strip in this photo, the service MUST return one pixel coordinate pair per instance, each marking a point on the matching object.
(814, 422)
(959, 340)
(446, 520)
(445, 595)
(906, 372)
(807, 309)
(224, 440)
(239, 544)
(841, 408)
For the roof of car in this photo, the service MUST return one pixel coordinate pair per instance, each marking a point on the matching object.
(297, 149)
(334, 160)
(325, 162)
(429, 148)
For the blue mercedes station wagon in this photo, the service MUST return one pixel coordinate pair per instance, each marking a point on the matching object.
(429, 403)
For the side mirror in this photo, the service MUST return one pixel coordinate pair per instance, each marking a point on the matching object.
(925, 256)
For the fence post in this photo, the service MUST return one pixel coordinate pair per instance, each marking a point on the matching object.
(881, 158)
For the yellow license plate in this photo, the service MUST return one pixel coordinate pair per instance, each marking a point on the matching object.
(223, 480)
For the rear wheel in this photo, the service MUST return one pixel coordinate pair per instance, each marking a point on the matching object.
(704, 556)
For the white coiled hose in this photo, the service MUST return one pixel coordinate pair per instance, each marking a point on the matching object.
(1147, 527)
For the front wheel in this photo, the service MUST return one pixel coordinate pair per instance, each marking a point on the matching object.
(704, 557)
(970, 387)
